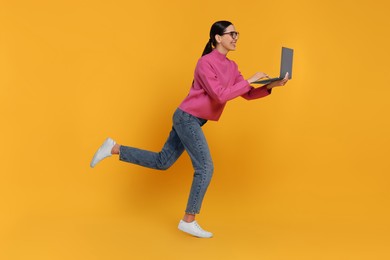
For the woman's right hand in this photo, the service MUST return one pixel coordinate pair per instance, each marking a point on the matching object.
(257, 76)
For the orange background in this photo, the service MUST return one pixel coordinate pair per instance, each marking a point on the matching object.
(301, 174)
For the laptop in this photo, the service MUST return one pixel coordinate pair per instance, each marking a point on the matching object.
(285, 66)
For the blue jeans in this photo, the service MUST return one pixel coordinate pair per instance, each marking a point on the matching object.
(186, 134)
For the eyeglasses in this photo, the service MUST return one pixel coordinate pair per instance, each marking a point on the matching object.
(233, 34)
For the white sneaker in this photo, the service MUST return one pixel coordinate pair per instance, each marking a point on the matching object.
(194, 229)
(104, 151)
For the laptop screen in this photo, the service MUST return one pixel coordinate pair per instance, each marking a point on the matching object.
(287, 61)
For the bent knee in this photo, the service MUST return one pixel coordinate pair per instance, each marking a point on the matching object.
(163, 166)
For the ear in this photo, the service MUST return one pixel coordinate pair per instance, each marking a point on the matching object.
(218, 38)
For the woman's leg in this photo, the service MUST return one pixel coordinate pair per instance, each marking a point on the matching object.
(191, 135)
(162, 160)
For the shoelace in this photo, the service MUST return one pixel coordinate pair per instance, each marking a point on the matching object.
(197, 225)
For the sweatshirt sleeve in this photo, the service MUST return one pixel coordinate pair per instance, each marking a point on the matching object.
(254, 93)
(206, 75)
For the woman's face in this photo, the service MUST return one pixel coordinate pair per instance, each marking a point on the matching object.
(229, 39)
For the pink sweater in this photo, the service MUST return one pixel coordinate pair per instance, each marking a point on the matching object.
(216, 81)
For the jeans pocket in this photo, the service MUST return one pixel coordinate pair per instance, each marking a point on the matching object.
(180, 116)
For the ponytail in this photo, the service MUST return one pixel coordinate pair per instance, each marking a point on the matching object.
(208, 48)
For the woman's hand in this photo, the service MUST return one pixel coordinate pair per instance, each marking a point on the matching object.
(278, 83)
(257, 76)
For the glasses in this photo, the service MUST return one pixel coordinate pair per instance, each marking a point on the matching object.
(233, 34)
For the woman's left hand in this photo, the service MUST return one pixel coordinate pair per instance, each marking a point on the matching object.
(278, 83)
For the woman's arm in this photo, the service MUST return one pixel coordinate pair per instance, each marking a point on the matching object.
(212, 85)
(256, 93)
(265, 90)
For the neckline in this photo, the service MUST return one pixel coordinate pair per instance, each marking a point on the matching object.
(219, 55)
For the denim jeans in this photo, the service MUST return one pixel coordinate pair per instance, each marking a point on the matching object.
(186, 134)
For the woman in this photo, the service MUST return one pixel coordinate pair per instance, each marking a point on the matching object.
(216, 81)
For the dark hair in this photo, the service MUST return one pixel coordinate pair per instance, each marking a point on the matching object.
(217, 28)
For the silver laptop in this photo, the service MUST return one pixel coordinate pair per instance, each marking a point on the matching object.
(285, 66)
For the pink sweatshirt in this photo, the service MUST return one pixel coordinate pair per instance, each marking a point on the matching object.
(216, 81)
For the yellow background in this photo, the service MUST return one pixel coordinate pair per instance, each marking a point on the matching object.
(301, 174)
